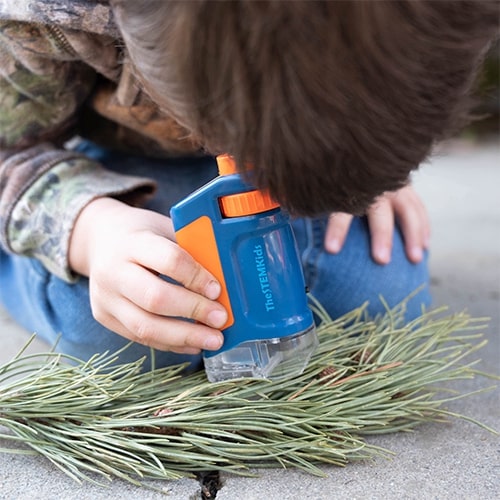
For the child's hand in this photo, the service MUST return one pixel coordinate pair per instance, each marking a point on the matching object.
(406, 207)
(123, 250)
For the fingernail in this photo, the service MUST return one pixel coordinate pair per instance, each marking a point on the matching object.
(212, 290)
(416, 254)
(217, 318)
(382, 255)
(212, 343)
(333, 245)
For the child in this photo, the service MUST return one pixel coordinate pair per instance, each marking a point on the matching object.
(334, 103)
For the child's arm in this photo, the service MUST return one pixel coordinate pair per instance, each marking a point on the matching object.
(43, 187)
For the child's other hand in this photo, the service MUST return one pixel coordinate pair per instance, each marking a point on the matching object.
(123, 250)
(403, 205)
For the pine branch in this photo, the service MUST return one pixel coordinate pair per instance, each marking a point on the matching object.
(367, 377)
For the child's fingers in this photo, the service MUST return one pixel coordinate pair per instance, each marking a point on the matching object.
(166, 257)
(414, 223)
(336, 231)
(381, 223)
(162, 333)
(154, 295)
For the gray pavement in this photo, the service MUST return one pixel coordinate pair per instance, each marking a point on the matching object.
(457, 460)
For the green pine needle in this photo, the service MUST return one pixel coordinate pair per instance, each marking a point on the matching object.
(366, 377)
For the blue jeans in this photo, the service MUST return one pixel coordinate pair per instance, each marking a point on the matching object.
(52, 308)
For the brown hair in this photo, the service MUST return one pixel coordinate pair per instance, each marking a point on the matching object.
(333, 102)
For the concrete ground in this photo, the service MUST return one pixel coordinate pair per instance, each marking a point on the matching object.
(458, 460)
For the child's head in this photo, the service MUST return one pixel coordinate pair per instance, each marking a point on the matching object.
(334, 102)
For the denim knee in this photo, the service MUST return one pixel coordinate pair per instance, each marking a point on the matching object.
(344, 281)
(23, 284)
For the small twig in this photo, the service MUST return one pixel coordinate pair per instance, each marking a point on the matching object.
(389, 366)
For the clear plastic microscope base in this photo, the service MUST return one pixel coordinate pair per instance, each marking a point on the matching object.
(271, 358)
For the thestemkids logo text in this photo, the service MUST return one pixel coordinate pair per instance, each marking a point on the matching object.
(265, 288)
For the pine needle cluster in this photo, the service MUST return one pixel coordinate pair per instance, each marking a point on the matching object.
(366, 377)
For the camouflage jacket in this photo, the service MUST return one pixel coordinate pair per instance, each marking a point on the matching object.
(64, 71)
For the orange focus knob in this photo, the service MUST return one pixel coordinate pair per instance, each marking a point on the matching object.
(251, 202)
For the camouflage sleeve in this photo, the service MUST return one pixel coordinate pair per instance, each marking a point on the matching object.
(40, 222)
(43, 188)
